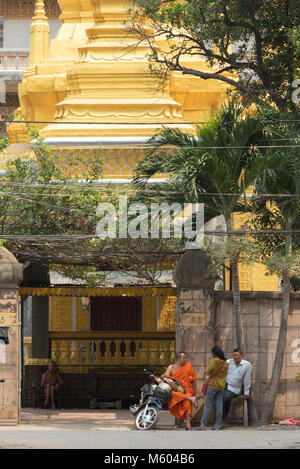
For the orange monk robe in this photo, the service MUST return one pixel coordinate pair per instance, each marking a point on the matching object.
(178, 405)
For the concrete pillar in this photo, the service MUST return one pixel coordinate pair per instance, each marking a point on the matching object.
(37, 274)
(11, 274)
(40, 322)
(195, 310)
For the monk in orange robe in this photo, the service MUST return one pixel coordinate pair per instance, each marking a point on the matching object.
(181, 402)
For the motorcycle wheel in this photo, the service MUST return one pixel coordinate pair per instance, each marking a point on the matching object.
(149, 420)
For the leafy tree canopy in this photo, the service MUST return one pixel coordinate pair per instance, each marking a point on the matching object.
(252, 45)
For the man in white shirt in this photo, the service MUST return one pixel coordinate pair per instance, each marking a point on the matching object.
(239, 375)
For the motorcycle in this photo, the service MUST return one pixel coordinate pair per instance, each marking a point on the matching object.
(154, 397)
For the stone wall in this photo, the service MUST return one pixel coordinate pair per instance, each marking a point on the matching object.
(9, 357)
(261, 320)
(10, 276)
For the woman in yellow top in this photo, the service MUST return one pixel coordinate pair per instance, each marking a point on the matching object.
(217, 373)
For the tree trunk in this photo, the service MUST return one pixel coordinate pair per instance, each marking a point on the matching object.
(269, 404)
(237, 310)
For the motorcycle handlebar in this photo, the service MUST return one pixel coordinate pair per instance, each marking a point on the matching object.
(152, 375)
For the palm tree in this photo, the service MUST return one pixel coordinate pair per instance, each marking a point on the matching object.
(284, 180)
(215, 167)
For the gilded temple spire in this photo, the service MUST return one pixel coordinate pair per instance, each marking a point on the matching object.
(39, 37)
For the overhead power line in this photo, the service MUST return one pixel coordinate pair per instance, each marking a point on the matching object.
(77, 237)
(6, 121)
(93, 186)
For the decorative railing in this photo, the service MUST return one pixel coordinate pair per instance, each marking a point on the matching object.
(14, 59)
(112, 348)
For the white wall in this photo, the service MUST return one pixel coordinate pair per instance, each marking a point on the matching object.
(16, 33)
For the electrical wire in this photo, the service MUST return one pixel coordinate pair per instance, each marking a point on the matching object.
(51, 238)
(172, 148)
(87, 187)
(7, 122)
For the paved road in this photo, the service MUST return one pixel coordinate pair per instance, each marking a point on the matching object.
(111, 430)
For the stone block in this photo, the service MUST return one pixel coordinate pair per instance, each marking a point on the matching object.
(9, 293)
(276, 314)
(266, 312)
(184, 294)
(226, 319)
(8, 306)
(10, 413)
(281, 412)
(291, 371)
(197, 360)
(9, 372)
(269, 333)
(251, 320)
(280, 399)
(198, 338)
(292, 335)
(199, 294)
(294, 320)
(200, 372)
(250, 307)
(185, 339)
(267, 346)
(192, 306)
(266, 362)
(227, 346)
(226, 333)
(295, 306)
(292, 392)
(292, 411)
(252, 339)
(10, 392)
(253, 358)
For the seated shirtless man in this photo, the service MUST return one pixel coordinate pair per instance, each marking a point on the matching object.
(51, 382)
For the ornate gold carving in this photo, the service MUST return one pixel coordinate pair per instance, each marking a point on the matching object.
(25, 8)
(167, 313)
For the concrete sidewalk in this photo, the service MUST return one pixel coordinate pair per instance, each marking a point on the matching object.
(110, 419)
(114, 429)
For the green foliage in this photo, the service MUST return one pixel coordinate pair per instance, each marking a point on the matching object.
(278, 205)
(4, 142)
(87, 275)
(251, 45)
(295, 37)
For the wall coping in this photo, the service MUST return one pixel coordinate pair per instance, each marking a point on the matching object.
(254, 295)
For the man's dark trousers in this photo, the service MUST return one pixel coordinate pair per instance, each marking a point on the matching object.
(228, 396)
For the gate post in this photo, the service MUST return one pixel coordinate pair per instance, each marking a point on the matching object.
(195, 310)
(11, 275)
